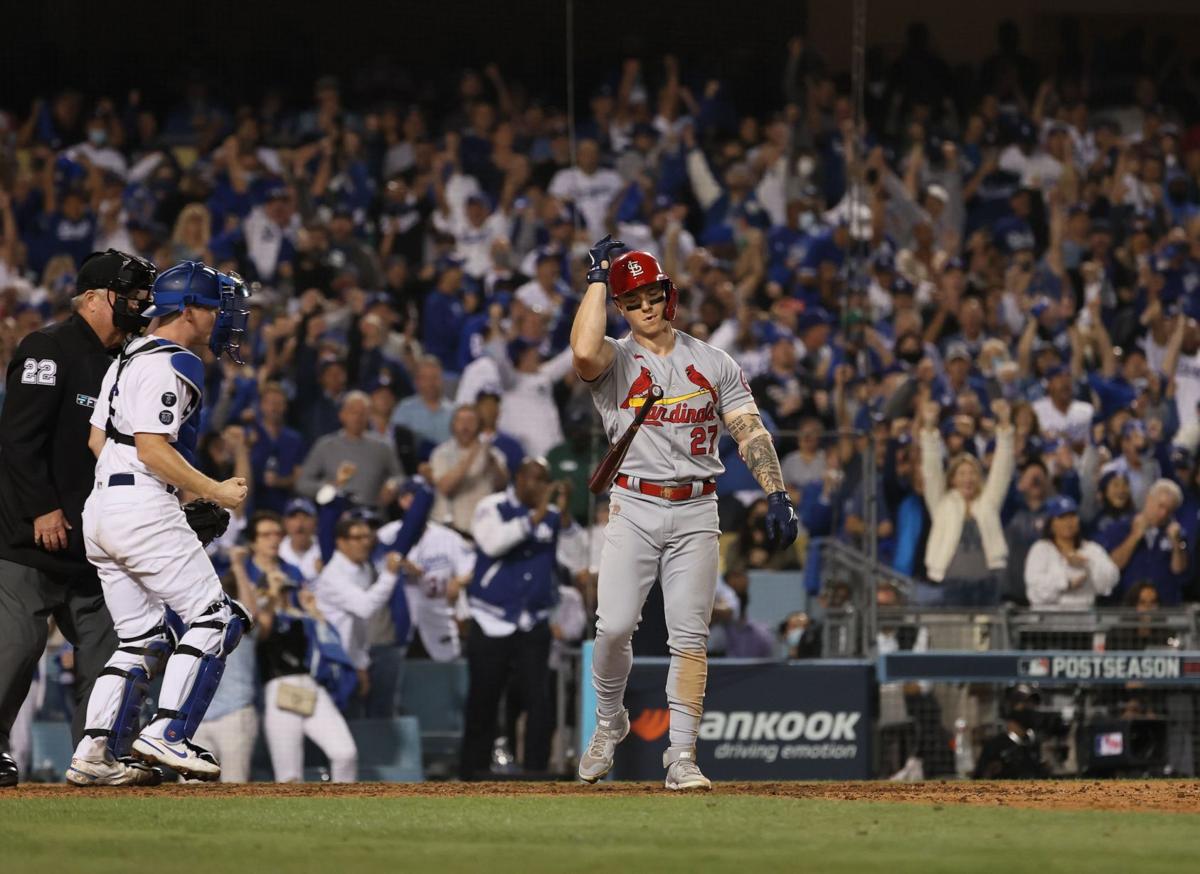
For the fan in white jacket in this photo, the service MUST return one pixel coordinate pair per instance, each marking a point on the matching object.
(958, 492)
(1063, 570)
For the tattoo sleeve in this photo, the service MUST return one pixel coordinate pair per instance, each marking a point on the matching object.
(758, 451)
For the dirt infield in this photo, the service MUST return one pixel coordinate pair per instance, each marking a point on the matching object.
(1180, 796)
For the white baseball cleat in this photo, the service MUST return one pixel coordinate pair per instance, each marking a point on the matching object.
(110, 772)
(185, 757)
(597, 759)
(683, 773)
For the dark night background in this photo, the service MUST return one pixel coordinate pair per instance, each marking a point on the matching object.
(240, 47)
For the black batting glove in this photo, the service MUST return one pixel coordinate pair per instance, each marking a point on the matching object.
(601, 254)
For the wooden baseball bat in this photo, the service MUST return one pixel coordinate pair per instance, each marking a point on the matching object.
(606, 470)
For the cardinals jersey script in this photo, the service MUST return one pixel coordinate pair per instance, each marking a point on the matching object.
(678, 440)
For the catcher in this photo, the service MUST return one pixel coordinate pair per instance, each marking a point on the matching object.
(139, 538)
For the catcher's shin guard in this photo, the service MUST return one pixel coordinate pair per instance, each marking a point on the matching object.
(126, 679)
(208, 641)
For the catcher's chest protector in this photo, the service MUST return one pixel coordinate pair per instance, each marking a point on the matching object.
(190, 369)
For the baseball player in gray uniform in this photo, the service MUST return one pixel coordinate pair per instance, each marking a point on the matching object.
(663, 509)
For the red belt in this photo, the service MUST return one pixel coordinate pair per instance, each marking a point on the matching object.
(670, 493)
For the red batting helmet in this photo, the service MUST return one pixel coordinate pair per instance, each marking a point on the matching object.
(633, 270)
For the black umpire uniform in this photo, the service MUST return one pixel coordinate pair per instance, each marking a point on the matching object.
(45, 465)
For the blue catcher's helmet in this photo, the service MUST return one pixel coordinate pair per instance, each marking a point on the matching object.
(193, 283)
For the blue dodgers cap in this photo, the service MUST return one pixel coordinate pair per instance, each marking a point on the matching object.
(547, 253)
(1058, 370)
(1049, 447)
(300, 505)
(813, 317)
(448, 262)
(958, 350)
(1181, 457)
(769, 333)
(1061, 505)
(518, 347)
(1133, 426)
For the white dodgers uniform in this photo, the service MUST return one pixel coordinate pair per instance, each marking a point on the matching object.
(148, 558)
(133, 526)
(442, 554)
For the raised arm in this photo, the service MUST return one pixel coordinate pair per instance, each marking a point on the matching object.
(933, 476)
(1171, 359)
(495, 535)
(704, 184)
(1003, 461)
(360, 602)
(590, 353)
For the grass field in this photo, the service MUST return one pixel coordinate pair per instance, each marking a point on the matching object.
(183, 829)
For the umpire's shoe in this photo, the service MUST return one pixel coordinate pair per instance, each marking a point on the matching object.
(683, 772)
(189, 759)
(111, 772)
(597, 759)
(8, 770)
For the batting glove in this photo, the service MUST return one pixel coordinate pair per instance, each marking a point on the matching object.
(600, 253)
(781, 523)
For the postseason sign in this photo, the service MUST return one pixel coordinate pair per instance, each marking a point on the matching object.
(1112, 666)
(1165, 668)
(762, 721)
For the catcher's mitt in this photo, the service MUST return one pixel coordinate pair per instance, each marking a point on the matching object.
(208, 519)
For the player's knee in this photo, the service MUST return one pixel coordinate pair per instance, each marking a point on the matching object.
(617, 629)
(688, 644)
(221, 625)
(148, 651)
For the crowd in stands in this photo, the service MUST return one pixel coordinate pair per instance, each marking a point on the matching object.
(991, 286)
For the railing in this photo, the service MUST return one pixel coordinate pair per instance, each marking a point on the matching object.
(850, 579)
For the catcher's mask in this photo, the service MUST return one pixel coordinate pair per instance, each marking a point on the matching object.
(193, 283)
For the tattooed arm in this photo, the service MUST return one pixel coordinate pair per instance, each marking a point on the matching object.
(756, 447)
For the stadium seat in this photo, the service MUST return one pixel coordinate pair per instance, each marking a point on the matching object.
(435, 693)
(52, 750)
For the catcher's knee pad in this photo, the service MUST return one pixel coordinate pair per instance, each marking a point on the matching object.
(144, 657)
(229, 620)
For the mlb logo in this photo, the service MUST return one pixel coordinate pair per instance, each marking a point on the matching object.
(1111, 743)
(1038, 667)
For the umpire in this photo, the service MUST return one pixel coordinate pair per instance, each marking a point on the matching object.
(46, 474)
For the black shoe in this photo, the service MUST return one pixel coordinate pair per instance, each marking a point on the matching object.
(8, 770)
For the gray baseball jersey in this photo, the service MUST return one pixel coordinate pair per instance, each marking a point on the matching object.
(651, 538)
(678, 440)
